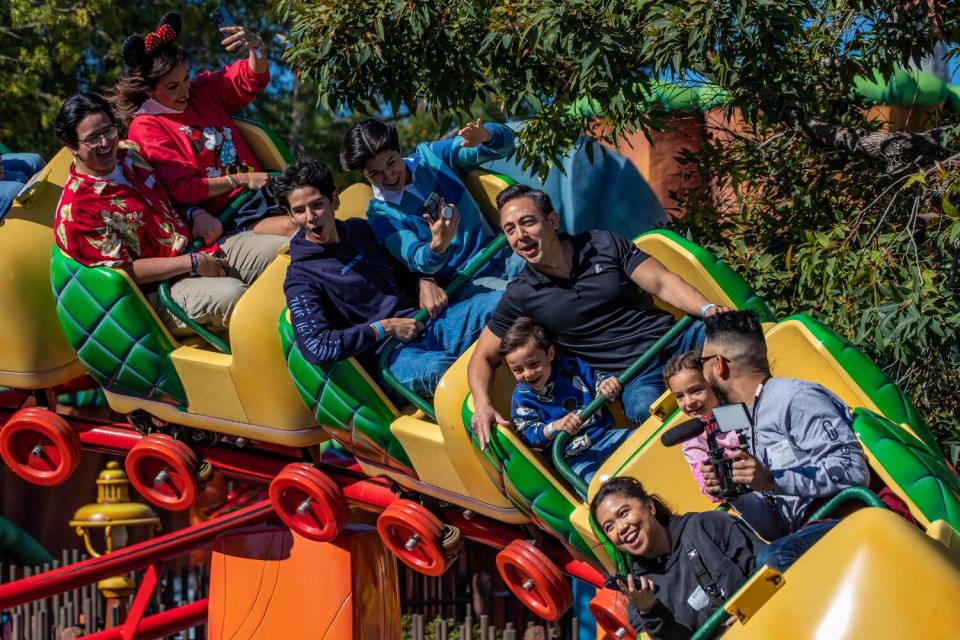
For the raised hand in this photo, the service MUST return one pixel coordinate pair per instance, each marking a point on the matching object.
(474, 134)
(237, 39)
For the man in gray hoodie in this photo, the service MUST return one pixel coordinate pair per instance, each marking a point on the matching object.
(801, 447)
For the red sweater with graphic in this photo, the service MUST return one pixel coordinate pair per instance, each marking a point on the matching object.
(201, 142)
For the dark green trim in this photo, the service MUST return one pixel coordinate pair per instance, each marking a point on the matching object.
(890, 401)
(113, 332)
(163, 295)
(740, 293)
(849, 494)
(281, 146)
(475, 264)
(559, 460)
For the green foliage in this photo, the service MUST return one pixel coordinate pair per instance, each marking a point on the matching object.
(868, 254)
(50, 50)
(534, 58)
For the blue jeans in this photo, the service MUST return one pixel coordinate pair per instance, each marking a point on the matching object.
(585, 464)
(783, 552)
(419, 365)
(494, 276)
(643, 390)
(18, 168)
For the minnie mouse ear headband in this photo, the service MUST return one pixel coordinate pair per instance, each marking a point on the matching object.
(137, 50)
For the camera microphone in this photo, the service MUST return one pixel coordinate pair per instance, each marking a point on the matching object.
(682, 432)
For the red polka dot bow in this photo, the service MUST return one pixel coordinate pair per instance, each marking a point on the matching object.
(163, 35)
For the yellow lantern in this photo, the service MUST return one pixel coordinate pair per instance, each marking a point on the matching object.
(113, 514)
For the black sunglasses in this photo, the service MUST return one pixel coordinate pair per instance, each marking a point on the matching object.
(702, 360)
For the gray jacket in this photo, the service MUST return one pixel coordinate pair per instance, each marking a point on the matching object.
(713, 554)
(802, 433)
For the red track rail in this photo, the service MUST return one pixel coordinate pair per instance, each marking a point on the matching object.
(160, 624)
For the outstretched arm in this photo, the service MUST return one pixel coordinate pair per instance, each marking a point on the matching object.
(654, 278)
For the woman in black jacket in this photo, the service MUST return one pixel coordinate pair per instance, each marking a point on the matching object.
(683, 567)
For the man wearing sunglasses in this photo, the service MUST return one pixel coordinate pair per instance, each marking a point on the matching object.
(115, 213)
(801, 446)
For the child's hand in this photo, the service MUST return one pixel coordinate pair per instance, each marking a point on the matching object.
(571, 423)
(610, 388)
(474, 134)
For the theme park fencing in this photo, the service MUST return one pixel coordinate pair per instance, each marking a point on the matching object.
(144, 619)
(84, 610)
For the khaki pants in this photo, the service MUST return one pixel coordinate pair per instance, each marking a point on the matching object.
(210, 301)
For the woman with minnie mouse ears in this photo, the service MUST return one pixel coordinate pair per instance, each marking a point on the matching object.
(185, 129)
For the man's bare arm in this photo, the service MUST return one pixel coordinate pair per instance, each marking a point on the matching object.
(654, 278)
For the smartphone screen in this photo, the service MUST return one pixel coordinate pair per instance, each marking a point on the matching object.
(222, 18)
(732, 417)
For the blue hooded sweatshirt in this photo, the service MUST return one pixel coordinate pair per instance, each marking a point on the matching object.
(335, 291)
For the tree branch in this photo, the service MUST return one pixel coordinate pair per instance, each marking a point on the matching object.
(899, 149)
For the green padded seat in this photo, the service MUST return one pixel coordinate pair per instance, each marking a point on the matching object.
(115, 335)
(344, 402)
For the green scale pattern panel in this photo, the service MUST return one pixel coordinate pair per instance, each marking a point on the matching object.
(889, 399)
(521, 481)
(925, 477)
(536, 497)
(113, 333)
(344, 403)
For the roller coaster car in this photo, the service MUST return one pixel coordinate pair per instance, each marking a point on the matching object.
(97, 321)
(511, 483)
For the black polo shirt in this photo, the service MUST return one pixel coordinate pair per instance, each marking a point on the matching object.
(598, 314)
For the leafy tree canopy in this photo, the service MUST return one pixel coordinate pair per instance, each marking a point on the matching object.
(821, 211)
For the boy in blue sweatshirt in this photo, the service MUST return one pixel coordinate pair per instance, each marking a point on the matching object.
(346, 294)
(551, 389)
(411, 195)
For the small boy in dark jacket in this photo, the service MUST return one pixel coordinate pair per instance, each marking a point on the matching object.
(551, 389)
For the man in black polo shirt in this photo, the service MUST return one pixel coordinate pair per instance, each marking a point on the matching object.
(592, 292)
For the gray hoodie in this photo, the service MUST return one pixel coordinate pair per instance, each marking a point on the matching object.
(714, 544)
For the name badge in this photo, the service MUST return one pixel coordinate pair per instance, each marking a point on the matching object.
(698, 599)
(781, 455)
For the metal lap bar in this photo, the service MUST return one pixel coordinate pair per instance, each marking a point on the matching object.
(462, 278)
(163, 292)
(631, 372)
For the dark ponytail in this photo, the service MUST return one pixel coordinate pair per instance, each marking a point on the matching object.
(633, 488)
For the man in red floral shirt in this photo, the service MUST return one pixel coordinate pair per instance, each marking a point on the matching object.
(115, 213)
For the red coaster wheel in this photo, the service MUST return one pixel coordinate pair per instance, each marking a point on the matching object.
(309, 502)
(535, 580)
(609, 609)
(40, 446)
(415, 536)
(162, 470)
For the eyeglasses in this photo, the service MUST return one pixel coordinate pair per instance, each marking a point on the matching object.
(108, 134)
(702, 360)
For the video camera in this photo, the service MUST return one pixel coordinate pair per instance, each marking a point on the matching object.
(729, 417)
